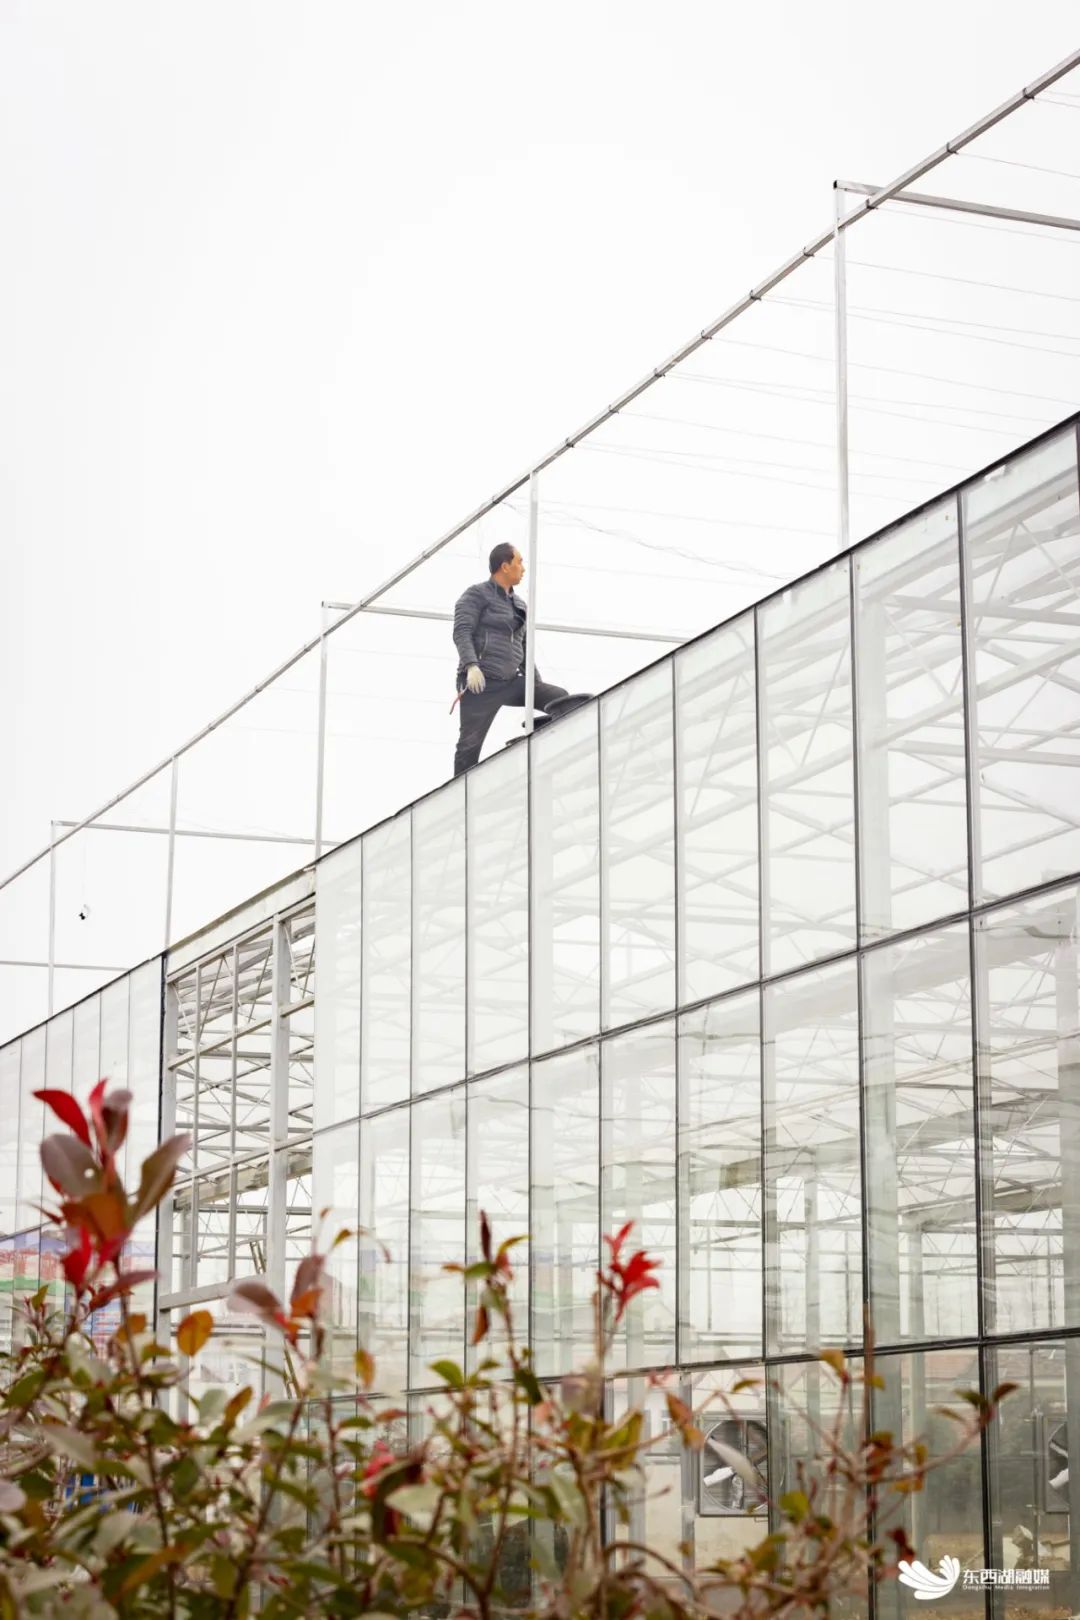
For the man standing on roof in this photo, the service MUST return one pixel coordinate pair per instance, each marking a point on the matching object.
(489, 634)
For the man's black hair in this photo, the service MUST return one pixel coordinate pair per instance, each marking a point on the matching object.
(502, 553)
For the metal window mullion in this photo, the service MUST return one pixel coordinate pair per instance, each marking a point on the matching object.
(969, 678)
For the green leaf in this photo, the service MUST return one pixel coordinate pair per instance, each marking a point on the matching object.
(796, 1505)
(527, 1380)
(449, 1372)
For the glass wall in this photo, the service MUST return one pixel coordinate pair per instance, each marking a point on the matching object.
(771, 950)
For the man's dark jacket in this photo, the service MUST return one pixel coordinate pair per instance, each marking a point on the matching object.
(489, 630)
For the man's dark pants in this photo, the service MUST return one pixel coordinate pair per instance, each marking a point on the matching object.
(478, 710)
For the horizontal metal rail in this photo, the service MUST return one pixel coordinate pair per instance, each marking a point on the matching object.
(553, 629)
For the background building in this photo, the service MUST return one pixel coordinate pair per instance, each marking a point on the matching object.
(772, 949)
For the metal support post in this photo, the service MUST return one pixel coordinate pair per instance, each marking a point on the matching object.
(840, 305)
(530, 622)
(52, 914)
(320, 752)
(170, 863)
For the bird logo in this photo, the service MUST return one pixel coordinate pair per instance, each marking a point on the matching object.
(924, 1583)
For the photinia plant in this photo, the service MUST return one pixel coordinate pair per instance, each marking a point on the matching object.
(124, 1494)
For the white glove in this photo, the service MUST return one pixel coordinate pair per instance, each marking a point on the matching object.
(474, 679)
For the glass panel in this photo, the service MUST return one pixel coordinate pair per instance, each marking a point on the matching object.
(335, 1187)
(565, 1207)
(718, 811)
(1029, 1061)
(920, 1138)
(9, 1135)
(384, 1245)
(498, 936)
(912, 779)
(144, 1061)
(1023, 570)
(437, 1234)
(813, 1200)
(638, 1136)
(725, 1513)
(384, 1001)
(337, 1005)
(656, 1500)
(945, 1518)
(566, 881)
(638, 838)
(114, 1033)
(498, 1162)
(438, 1047)
(1034, 1490)
(720, 1232)
(32, 1129)
(58, 1054)
(808, 865)
(86, 1070)
(806, 1404)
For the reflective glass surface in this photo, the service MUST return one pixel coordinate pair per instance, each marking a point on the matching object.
(720, 1227)
(338, 914)
(716, 721)
(813, 1180)
(920, 1138)
(1029, 1072)
(498, 1176)
(498, 933)
(385, 1005)
(912, 774)
(565, 825)
(638, 846)
(1022, 565)
(807, 781)
(438, 877)
(384, 1245)
(437, 1235)
(638, 1154)
(565, 1206)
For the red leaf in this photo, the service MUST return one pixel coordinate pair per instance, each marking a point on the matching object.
(67, 1111)
(123, 1285)
(76, 1261)
(158, 1173)
(485, 1236)
(97, 1113)
(615, 1243)
(309, 1278)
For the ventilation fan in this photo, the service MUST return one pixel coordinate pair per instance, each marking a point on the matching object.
(722, 1489)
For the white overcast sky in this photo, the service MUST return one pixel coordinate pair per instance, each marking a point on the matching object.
(287, 288)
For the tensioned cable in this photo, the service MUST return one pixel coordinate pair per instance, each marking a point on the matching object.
(935, 216)
(782, 438)
(1017, 163)
(716, 522)
(825, 396)
(752, 461)
(893, 371)
(947, 327)
(569, 519)
(964, 281)
(660, 458)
